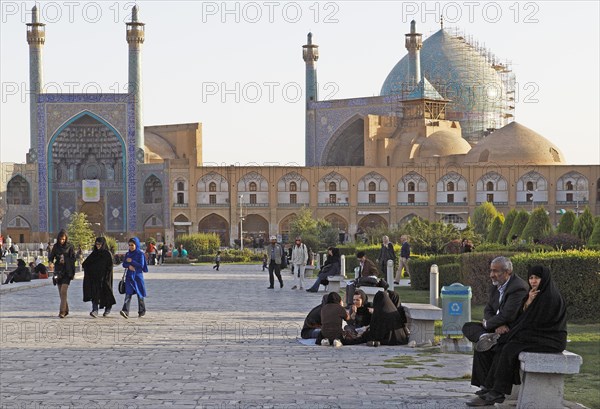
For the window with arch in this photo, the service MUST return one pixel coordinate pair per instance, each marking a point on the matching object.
(212, 187)
(17, 191)
(489, 186)
(293, 187)
(332, 186)
(450, 186)
(411, 186)
(529, 185)
(372, 187)
(180, 186)
(569, 185)
(152, 190)
(252, 187)
(180, 198)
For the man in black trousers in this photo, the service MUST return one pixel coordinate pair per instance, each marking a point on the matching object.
(506, 296)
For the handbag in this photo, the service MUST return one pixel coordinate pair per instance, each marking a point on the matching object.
(122, 283)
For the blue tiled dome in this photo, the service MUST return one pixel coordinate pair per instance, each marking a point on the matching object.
(460, 73)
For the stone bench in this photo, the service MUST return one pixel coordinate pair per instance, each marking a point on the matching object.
(334, 283)
(542, 378)
(421, 321)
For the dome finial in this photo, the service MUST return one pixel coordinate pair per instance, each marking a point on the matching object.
(442, 21)
(134, 14)
(413, 27)
(309, 38)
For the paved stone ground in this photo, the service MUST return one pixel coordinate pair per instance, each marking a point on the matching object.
(209, 340)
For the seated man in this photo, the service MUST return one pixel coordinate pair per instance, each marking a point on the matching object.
(506, 296)
(21, 274)
(368, 277)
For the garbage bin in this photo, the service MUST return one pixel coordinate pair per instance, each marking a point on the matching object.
(456, 308)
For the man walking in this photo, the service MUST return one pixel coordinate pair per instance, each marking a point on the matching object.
(299, 260)
(275, 254)
(404, 258)
(505, 297)
(386, 253)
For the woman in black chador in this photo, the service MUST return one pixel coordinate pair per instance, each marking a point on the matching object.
(387, 324)
(541, 327)
(98, 278)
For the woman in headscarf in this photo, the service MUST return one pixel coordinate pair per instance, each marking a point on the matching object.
(331, 267)
(98, 278)
(312, 322)
(387, 325)
(332, 314)
(135, 263)
(63, 258)
(541, 327)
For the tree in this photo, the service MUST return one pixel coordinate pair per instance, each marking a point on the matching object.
(595, 237)
(80, 231)
(429, 237)
(315, 233)
(508, 222)
(495, 229)
(584, 225)
(538, 226)
(483, 216)
(518, 225)
(567, 220)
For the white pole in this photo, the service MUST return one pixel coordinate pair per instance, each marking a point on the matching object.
(343, 265)
(241, 224)
(434, 285)
(390, 273)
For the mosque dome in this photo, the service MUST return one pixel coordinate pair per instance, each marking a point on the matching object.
(442, 143)
(462, 73)
(515, 144)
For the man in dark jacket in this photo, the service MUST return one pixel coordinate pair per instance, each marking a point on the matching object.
(506, 296)
(21, 274)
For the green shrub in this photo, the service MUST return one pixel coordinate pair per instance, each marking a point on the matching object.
(420, 267)
(111, 242)
(584, 225)
(518, 225)
(538, 226)
(495, 229)
(450, 274)
(483, 217)
(595, 237)
(233, 256)
(199, 243)
(566, 223)
(563, 241)
(508, 222)
(177, 260)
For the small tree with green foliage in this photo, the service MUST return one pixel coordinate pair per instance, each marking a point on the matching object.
(80, 232)
(316, 233)
(538, 226)
(595, 237)
(430, 237)
(495, 229)
(584, 225)
(518, 225)
(111, 242)
(483, 216)
(567, 220)
(508, 222)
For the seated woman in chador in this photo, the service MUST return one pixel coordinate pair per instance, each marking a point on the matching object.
(387, 324)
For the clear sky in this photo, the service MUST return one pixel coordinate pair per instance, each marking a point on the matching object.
(237, 66)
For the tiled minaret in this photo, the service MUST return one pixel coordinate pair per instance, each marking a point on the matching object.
(310, 54)
(36, 37)
(135, 39)
(414, 43)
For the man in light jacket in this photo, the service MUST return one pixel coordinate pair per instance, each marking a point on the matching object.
(299, 260)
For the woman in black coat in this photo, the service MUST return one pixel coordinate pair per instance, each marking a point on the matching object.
(541, 327)
(98, 278)
(63, 258)
(331, 267)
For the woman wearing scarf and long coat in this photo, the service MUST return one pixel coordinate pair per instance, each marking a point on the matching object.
(541, 327)
(63, 258)
(98, 278)
(135, 263)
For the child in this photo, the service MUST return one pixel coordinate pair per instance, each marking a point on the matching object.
(264, 262)
(217, 261)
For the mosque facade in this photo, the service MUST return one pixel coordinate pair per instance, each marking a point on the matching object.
(439, 141)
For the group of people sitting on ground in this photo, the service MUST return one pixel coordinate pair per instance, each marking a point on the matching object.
(22, 273)
(381, 323)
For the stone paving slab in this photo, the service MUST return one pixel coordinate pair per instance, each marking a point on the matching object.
(209, 340)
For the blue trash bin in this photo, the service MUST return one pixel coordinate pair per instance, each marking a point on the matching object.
(456, 308)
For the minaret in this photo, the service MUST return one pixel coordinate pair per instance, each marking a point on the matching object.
(36, 37)
(135, 39)
(310, 54)
(414, 43)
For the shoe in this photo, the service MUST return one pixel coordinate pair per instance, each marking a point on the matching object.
(301, 288)
(66, 313)
(325, 342)
(106, 313)
(124, 314)
(294, 287)
(270, 288)
(482, 391)
(141, 314)
(373, 343)
(310, 290)
(486, 342)
(396, 282)
(61, 315)
(337, 343)
(280, 285)
(94, 314)
(487, 399)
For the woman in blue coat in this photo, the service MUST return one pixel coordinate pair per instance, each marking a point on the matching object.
(135, 263)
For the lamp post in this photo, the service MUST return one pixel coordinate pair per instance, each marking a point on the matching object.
(241, 223)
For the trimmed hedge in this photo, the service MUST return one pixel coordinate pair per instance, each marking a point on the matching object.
(198, 244)
(420, 267)
(233, 256)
